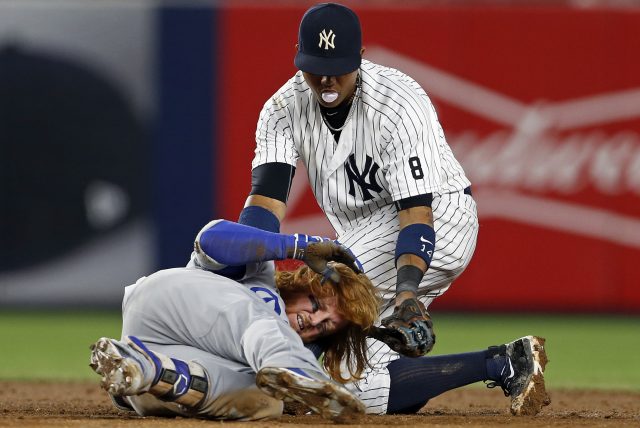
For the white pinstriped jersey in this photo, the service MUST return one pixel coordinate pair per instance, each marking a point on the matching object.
(392, 147)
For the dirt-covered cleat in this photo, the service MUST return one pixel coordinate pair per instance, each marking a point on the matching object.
(124, 369)
(522, 378)
(316, 391)
(130, 368)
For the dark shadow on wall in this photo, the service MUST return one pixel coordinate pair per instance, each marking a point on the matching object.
(73, 158)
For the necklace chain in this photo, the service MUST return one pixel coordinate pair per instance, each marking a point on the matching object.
(354, 100)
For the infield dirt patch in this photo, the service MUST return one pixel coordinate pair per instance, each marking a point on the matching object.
(38, 404)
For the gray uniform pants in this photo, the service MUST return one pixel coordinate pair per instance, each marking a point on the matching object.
(192, 314)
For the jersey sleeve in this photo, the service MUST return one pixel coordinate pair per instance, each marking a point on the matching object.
(260, 274)
(274, 136)
(412, 157)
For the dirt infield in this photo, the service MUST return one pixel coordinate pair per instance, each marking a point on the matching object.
(39, 404)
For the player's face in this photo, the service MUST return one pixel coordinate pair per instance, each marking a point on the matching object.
(312, 317)
(330, 91)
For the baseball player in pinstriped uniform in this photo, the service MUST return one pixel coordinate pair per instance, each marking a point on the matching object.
(381, 170)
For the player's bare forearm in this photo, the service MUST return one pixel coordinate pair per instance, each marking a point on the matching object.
(407, 217)
(415, 215)
(278, 208)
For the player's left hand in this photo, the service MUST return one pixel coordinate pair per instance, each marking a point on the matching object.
(408, 331)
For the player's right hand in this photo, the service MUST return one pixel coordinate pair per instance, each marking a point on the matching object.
(360, 268)
(320, 255)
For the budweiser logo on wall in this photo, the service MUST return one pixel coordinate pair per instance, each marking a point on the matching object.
(557, 165)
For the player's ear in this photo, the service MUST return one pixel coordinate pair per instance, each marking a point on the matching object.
(297, 48)
(361, 50)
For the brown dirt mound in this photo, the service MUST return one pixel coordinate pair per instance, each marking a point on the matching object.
(36, 404)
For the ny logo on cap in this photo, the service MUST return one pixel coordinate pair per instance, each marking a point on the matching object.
(327, 39)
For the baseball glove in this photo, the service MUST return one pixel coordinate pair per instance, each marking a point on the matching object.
(408, 331)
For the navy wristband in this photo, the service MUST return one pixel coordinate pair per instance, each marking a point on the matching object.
(260, 218)
(418, 239)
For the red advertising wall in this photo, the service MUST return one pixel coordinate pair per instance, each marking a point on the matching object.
(540, 105)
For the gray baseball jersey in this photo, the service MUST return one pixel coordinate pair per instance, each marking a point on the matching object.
(231, 329)
(391, 147)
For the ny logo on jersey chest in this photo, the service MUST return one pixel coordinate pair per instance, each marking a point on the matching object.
(354, 175)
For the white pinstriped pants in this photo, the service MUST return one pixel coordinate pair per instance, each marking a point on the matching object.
(373, 242)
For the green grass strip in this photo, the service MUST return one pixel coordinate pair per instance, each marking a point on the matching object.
(593, 352)
(52, 345)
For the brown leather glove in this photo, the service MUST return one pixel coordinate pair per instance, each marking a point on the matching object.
(408, 331)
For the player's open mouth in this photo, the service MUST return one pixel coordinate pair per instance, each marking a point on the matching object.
(300, 322)
(329, 96)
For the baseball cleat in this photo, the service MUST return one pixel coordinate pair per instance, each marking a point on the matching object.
(522, 377)
(121, 403)
(316, 391)
(124, 367)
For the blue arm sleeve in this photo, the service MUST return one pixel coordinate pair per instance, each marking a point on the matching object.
(234, 244)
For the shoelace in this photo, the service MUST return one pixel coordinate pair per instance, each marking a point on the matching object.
(505, 381)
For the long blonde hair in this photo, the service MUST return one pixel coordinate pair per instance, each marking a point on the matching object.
(357, 300)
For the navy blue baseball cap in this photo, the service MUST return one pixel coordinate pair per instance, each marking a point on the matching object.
(329, 41)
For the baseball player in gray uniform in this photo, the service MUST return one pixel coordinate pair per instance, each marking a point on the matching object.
(195, 343)
(380, 168)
